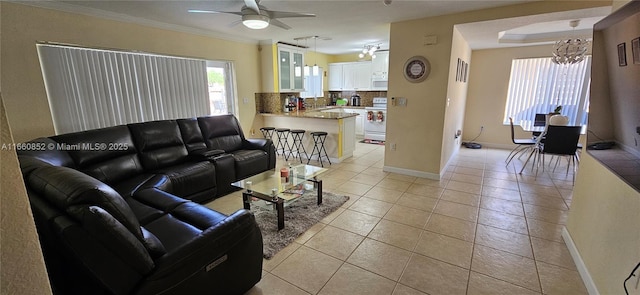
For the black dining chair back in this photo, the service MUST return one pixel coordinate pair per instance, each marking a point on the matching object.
(561, 140)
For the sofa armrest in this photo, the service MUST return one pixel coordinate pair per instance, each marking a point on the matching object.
(204, 154)
(257, 144)
(262, 144)
(227, 255)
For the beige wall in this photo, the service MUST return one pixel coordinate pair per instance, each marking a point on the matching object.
(456, 98)
(603, 221)
(417, 130)
(603, 224)
(22, 268)
(23, 26)
(488, 87)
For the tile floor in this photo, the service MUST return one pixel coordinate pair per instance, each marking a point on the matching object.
(482, 229)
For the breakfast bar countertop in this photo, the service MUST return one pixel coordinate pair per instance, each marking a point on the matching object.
(317, 114)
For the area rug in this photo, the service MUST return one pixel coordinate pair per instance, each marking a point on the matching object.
(299, 216)
(371, 141)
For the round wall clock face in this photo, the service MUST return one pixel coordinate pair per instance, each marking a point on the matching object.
(416, 69)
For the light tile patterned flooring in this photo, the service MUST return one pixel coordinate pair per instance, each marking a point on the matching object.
(482, 229)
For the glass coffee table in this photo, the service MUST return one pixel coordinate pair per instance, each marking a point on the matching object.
(273, 187)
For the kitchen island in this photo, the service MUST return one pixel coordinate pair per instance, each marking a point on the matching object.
(340, 126)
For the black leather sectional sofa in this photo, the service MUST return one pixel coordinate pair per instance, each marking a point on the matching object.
(117, 208)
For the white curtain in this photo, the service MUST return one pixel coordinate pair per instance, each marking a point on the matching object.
(538, 86)
(91, 88)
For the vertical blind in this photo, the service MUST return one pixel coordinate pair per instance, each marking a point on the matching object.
(538, 86)
(93, 88)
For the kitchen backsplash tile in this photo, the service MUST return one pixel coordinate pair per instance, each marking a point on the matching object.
(273, 102)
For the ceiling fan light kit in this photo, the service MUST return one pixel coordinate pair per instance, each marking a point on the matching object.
(256, 22)
(257, 17)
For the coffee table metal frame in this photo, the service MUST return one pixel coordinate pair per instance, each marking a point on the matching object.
(277, 200)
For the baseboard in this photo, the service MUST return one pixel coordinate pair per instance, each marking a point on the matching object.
(582, 268)
(496, 145)
(411, 172)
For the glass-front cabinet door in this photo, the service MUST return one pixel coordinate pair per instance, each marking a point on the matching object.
(285, 69)
(298, 73)
(290, 69)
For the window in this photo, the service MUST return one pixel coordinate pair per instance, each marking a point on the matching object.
(94, 88)
(537, 85)
(221, 90)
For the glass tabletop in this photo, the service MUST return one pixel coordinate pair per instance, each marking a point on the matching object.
(273, 181)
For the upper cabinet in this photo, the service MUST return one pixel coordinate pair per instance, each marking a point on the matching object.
(290, 69)
(380, 71)
(335, 77)
(350, 76)
(380, 66)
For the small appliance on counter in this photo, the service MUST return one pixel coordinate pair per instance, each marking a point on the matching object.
(289, 104)
(355, 100)
(334, 99)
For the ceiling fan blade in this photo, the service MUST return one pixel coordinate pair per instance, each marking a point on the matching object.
(280, 24)
(235, 23)
(213, 11)
(284, 14)
(253, 5)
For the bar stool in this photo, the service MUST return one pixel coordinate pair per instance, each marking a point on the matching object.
(318, 144)
(297, 135)
(283, 142)
(267, 132)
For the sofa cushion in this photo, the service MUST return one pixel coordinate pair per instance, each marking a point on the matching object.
(153, 244)
(67, 189)
(250, 162)
(172, 232)
(221, 132)
(107, 154)
(117, 238)
(191, 134)
(46, 150)
(159, 143)
(158, 199)
(189, 178)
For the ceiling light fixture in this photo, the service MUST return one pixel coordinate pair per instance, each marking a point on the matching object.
(255, 21)
(570, 50)
(370, 50)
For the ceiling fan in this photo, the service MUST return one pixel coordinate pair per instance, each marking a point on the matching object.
(256, 16)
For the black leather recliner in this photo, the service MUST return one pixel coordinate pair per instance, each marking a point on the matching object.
(121, 218)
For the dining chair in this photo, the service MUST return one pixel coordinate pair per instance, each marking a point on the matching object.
(522, 144)
(558, 141)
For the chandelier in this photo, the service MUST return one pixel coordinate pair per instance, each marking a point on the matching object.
(370, 50)
(570, 50)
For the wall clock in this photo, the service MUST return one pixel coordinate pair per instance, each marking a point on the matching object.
(416, 69)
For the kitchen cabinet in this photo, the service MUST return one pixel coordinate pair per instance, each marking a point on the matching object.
(290, 69)
(380, 71)
(380, 65)
(350, 76)
(335, 77)
(359, 120)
